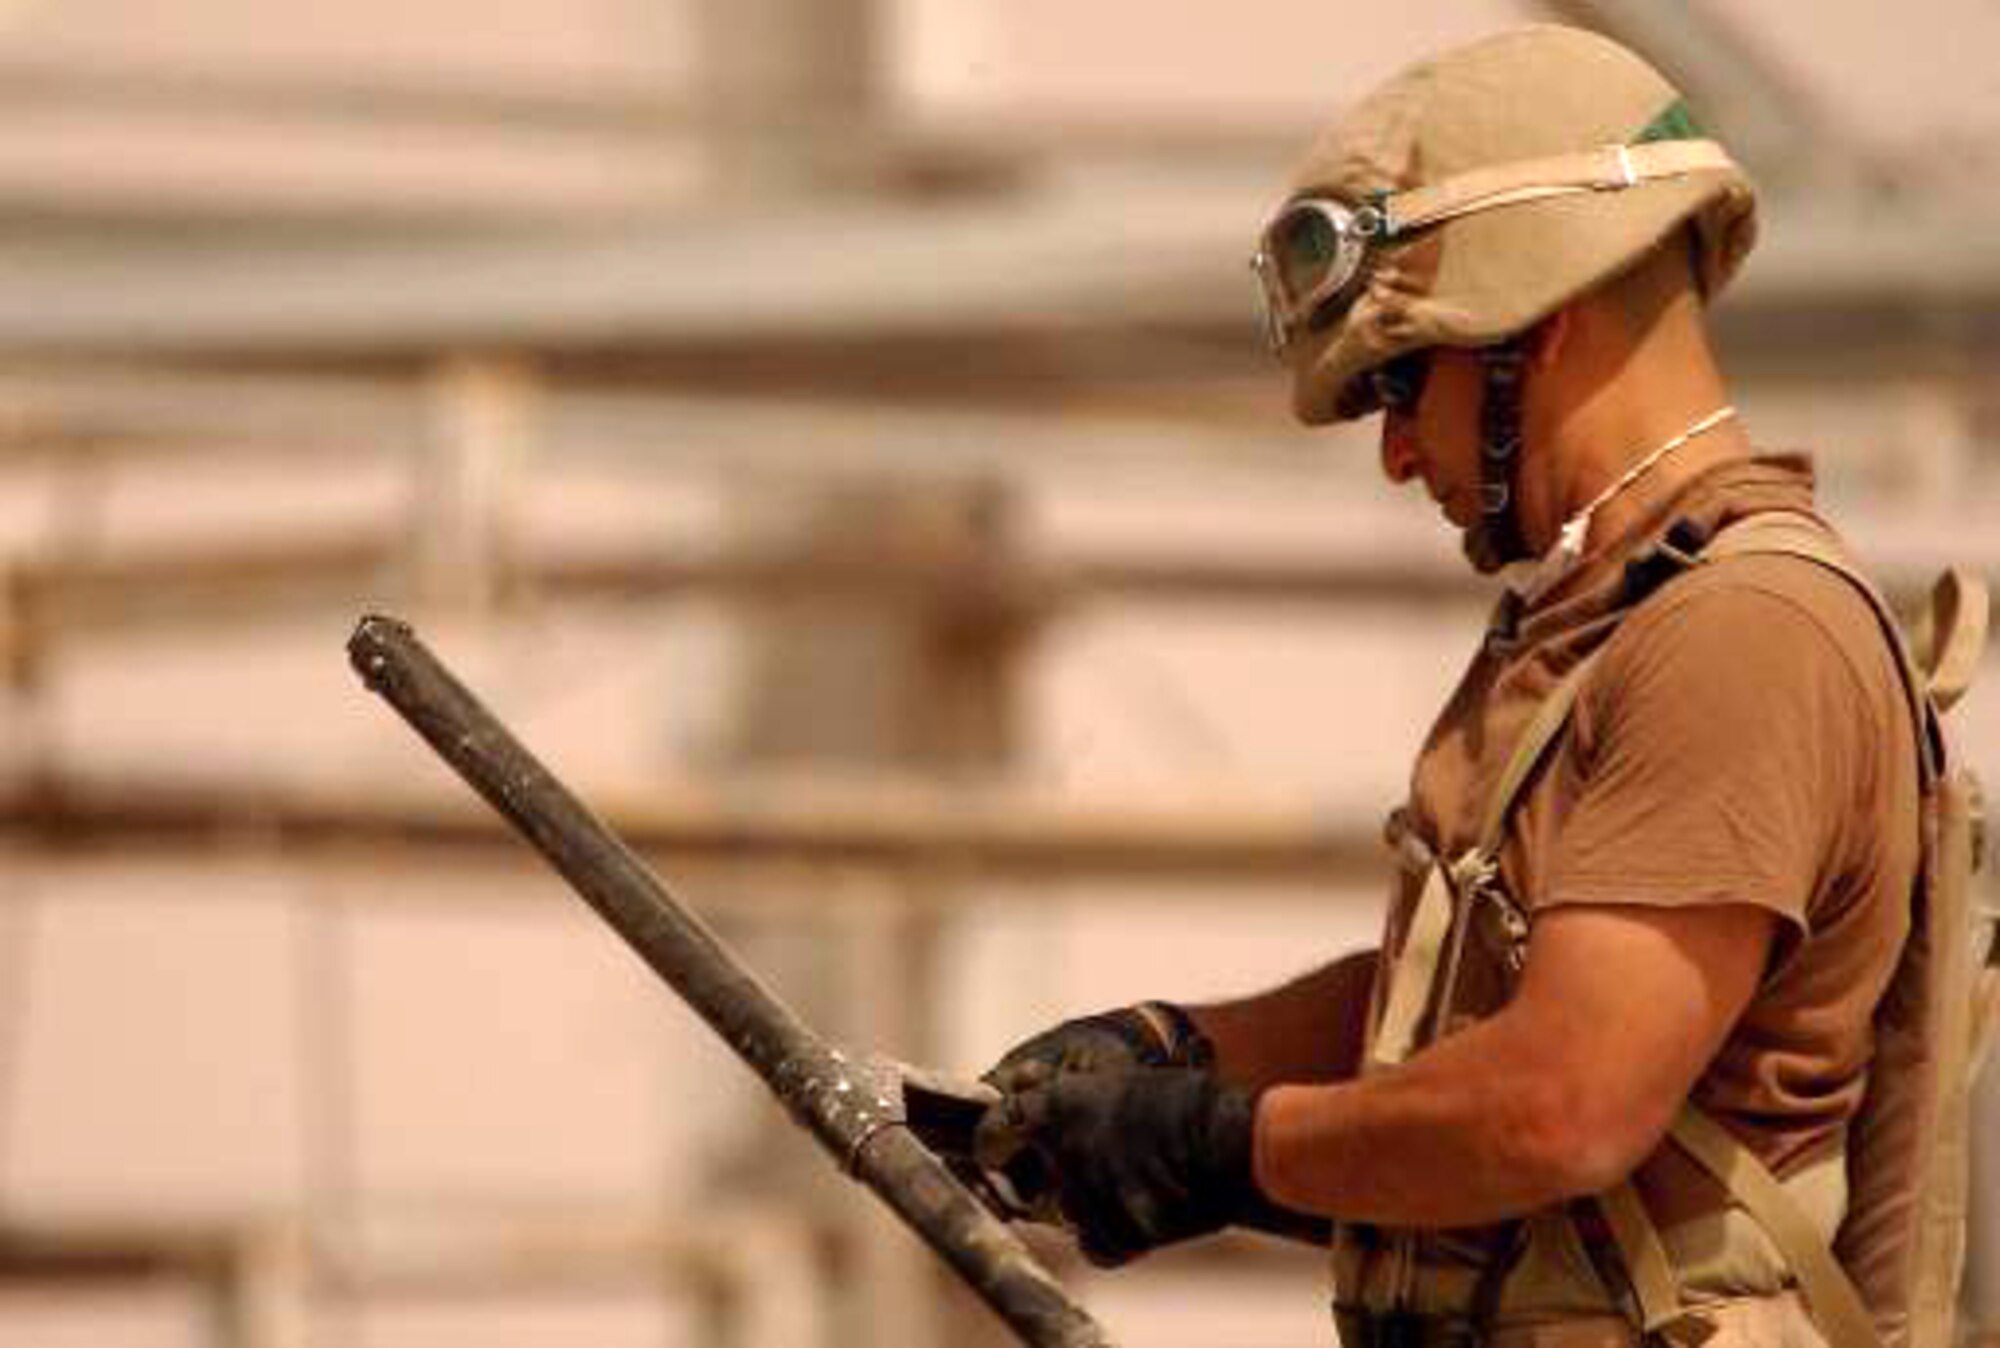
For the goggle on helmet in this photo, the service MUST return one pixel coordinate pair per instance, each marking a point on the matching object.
(1313, 258)
(1313, 254)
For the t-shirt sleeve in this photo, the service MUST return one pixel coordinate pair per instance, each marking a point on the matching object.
(1714, 749)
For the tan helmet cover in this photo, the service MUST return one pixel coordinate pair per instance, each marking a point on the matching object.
(1481, 277)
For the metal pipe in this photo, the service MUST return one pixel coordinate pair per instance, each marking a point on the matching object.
(850, 1107)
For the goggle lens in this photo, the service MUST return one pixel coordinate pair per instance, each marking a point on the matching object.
(1305, 246)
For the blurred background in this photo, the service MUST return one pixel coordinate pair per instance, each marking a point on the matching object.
(837, 436)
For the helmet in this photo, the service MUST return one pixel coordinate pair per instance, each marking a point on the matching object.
(1477, 193)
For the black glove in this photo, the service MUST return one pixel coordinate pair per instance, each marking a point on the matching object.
(1152, 1034)
(1138, 1159)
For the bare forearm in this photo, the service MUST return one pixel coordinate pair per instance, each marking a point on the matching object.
(1470, 1131)
(1308, 1030)
(1562, 1092)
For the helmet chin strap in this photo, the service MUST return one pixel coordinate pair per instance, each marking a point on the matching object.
(1494, 539)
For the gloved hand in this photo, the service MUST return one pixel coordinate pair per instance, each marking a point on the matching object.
(1137, 1159)
(1127, 1039)
(1151, 1034)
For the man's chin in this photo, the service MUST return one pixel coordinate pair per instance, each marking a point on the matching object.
(1480, 550)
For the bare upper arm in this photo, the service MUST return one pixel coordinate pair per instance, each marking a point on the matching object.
(1628, 1004)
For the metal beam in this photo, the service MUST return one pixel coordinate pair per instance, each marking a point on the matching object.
(1769, 122)
(763, 62)
(832, 271)
(926, 828)
(155, 586)
(373, 100)
(137, 587)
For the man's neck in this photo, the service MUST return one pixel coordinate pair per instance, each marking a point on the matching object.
(1592, 435)
(1719, 444)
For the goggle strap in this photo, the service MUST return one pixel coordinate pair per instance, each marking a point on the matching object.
(1610, 169)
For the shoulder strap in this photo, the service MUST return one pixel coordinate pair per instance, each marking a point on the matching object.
(1414, 978)
(1830, 1294)
(1414, 973)
(1789, 533)
(1648, 1269)
(1542, 730)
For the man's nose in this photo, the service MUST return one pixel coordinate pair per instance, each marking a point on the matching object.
(1399, 447)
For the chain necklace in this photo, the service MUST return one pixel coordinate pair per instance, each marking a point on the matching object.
(1575, 532)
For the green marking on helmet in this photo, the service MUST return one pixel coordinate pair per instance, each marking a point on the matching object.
(1676, 123)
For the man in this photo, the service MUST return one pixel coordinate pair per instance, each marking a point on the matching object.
(1695, 891)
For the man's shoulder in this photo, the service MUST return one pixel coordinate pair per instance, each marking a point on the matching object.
(1756, 609)
(1775, 636)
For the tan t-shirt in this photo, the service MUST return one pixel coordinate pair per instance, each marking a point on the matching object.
(1744, 738)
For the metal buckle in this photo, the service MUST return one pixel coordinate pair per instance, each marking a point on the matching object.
(1513, 928)
(1477, 877)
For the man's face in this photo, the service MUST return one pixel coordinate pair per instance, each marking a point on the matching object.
(1438, 440)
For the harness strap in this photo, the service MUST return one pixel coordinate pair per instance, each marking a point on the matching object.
(1495, 537)
(1952, 635)
(1829, 1293)
(1542, 731)
(1415, 971)
(1414, 978)
(1644, 1255)
(1789, 533)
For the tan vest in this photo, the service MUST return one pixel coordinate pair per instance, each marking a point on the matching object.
(1898, 1231)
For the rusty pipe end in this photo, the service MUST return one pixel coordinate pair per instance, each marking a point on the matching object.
(370, 648)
